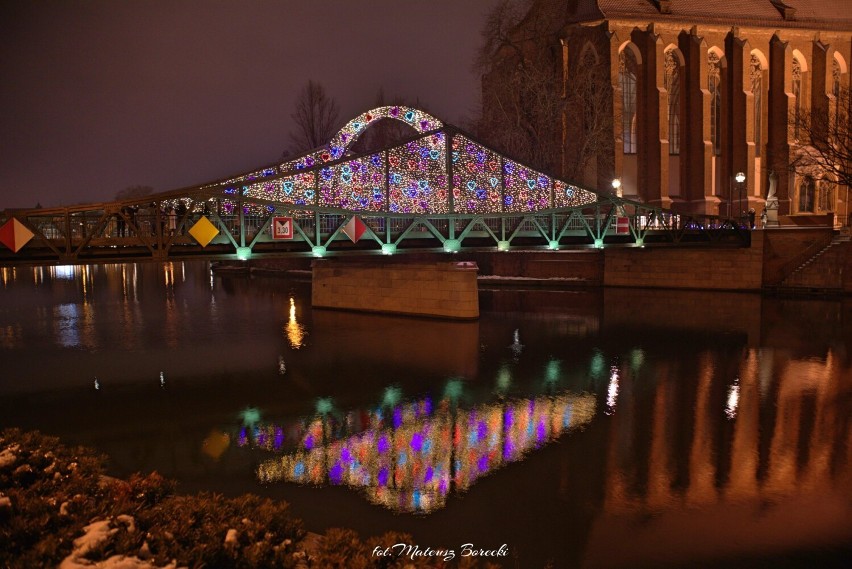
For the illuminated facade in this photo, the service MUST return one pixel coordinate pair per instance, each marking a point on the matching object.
(700, 94)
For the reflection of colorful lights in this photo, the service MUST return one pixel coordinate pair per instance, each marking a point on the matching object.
(250, 416)
(504, 379)
(392, 396)
(598, 365)
(404, 461)
(324, 406)
(453, 390)
(637, 358)
(612, 391)
(553, 371)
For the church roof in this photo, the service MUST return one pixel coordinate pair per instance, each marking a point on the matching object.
(809, 14)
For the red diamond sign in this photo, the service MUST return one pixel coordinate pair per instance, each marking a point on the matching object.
(282, 227)
(15, 235)
(354, 229)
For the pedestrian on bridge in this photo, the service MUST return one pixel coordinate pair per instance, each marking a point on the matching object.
(181, 213)
(121, 223)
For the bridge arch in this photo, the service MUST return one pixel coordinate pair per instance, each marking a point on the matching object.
(419, 120)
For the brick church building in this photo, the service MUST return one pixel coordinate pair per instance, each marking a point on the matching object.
(697, 92)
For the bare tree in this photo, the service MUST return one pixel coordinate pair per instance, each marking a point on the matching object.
(315, 119)
(521, 96)
(588, 128)
(528, 112)
(826, 151)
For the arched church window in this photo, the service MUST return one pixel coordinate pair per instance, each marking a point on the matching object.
(714, 78)
(757, 91)
(672, 84)
(826, 195)
(835, 118)
(797, 93)
(627, 73)
(806, 195)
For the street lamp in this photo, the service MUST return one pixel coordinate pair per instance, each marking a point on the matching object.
(616, 185)
(740, 178)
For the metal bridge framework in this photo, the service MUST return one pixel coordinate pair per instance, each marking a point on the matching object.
(440, 189)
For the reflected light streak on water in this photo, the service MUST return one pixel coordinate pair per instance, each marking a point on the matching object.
(66, 272)
(733, 401)
(169, 275)
(295, 331)
(612, 391)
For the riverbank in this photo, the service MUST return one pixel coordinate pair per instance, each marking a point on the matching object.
(58, 508)
(815, 261)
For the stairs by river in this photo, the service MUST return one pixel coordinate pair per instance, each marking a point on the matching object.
(822, 273)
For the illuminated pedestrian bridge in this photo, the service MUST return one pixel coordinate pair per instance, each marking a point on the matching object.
(437, 189)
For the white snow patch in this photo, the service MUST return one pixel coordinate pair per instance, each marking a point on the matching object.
(95, 534)
(231, 536)
(527, 279)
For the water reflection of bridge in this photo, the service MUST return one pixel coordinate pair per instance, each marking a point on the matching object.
(438, 189)
(410, 457)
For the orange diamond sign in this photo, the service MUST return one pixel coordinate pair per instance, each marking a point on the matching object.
(203, 231)
(15, 235)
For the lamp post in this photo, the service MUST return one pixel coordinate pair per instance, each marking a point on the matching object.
(616, 185)
(740, 178)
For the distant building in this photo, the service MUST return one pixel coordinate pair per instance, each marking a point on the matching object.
(700, 91)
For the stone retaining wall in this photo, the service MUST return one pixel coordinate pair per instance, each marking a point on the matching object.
(686, 268)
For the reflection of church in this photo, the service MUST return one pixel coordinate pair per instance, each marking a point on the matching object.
(737, 464)
(699, 94)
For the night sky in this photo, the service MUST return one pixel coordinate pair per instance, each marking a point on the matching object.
(100, 95)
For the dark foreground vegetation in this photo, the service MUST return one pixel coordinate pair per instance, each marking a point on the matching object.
(58, 509)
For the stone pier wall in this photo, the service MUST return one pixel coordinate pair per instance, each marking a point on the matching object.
(439, 289)
(687, 268)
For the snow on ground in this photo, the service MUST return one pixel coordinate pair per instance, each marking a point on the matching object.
(95, 534)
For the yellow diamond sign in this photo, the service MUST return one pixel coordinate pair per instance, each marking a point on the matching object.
(203, 231)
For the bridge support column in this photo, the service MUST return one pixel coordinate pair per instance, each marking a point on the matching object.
(438, 290)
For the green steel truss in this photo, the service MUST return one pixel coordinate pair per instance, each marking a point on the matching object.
(139, 228)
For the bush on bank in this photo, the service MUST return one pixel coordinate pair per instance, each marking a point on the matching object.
(58, 509)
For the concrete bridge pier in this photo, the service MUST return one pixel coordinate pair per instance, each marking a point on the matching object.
(441, 289)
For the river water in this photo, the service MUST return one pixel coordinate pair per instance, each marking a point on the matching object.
(600, 428)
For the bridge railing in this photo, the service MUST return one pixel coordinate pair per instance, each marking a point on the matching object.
(110, 231)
